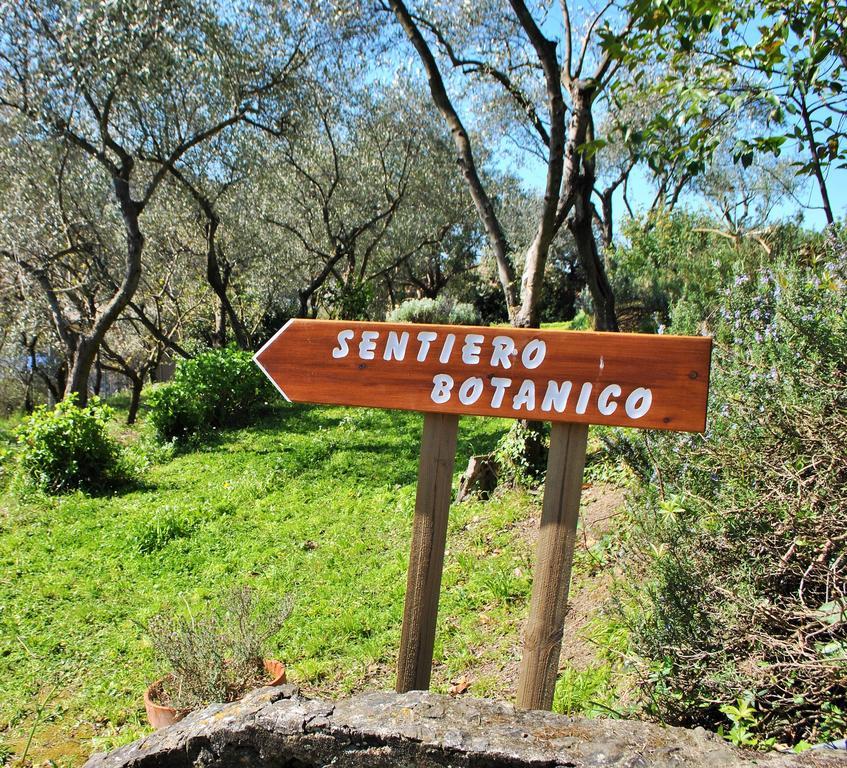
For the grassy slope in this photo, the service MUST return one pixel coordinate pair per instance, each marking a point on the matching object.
(316, 502)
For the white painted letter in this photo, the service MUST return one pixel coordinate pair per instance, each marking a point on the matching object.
(556, 396)
(503, 348)
(470, 390)
(425, 338)
(368, 344)
(533, 354)
(500, 386)
(525, 396)
(584, 394)
(603, 405)
(644, 399)
(470, 350)
(341, 350)
(447, 349)
(442, 383)
(395, 346)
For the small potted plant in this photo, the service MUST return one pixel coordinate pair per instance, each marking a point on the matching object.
(216, 657)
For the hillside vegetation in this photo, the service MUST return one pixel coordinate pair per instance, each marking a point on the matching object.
(714, 596)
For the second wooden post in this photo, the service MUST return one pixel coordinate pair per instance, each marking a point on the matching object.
(429, 535)
(552, 575)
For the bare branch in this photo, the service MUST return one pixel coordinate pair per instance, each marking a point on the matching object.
(586, 38)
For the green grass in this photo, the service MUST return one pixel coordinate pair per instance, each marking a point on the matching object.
(316, 502)
(312, 502)
(581, 322)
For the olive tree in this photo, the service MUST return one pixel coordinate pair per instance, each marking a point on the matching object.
(549, 76)
(131, 89)
(355, 202)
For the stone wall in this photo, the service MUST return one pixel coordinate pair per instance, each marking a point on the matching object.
(278, 728)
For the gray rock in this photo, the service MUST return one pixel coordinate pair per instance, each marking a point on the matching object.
(278, 728)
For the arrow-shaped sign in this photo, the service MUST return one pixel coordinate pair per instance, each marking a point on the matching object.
(633, 380)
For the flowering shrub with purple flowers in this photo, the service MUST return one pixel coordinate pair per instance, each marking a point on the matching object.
(740, 535)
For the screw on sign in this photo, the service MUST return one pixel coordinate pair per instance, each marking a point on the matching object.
(572, 379)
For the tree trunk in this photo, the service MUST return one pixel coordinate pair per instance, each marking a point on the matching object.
(82, 358)
(595, 271)
(80, 363)
(98, 376)
(303, 304)
(219, 283)
(580, 176)
(29, 404)
(135, 398)
(535, 258)
(219, 333)
(532, 282)
(606, 223)
(54, 389)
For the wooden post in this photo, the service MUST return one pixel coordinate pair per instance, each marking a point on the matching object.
(429, 535)
(554, 556)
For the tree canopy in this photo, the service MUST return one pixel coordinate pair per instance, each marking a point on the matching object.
(179, 173)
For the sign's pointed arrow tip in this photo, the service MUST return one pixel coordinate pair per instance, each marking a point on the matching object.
(257, 360)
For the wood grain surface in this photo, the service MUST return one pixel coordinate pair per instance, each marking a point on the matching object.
(426, 561)
(622, 379)
(551, 574)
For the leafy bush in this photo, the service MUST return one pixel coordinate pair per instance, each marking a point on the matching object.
(441, 310)
(521, 454)
(216, 657)
(174, 412)
(348, 302)
(669, 258)
(68, 447)
(740, 619)
(217, 388)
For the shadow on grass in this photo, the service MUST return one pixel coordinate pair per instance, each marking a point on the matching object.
(379, 445)
(24, 491)
(304, 419)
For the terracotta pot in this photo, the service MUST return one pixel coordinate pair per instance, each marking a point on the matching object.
(161, 716)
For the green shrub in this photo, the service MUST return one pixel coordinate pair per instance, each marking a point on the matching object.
(347, 302)
(667, 258)
(217, 388)
(174, 412)
(740, 615)
(68, 447)
(442, 310)
(521, 454)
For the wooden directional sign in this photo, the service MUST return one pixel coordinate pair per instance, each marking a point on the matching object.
(622, 379)
(570, 378)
